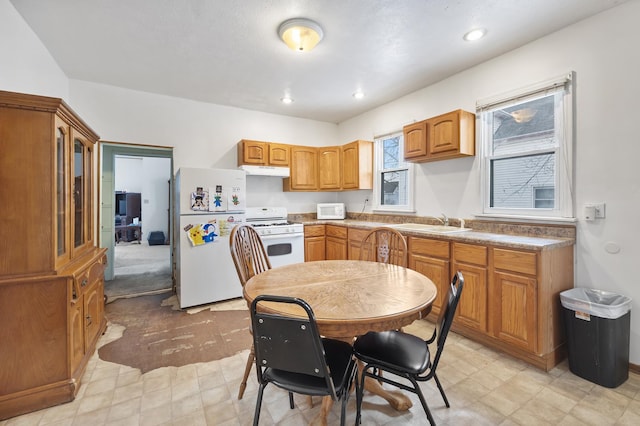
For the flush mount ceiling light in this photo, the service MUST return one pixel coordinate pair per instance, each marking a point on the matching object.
(358, 95)
(286, 100)
(475, 34)
(300, 34)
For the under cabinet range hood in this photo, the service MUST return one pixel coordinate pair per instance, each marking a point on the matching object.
(265, 170)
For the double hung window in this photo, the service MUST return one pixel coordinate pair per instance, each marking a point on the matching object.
(527, 140)
(393, 179)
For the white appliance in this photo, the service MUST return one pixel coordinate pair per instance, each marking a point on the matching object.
(283, 240)
(330, 211)
(208, 203)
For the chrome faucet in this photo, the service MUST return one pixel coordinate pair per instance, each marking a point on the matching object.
(444, 219)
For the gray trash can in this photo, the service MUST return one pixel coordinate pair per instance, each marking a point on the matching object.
(597, 325)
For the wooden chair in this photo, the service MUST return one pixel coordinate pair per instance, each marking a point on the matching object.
(291, 354)
(385, 245)
(408, 356)
(250, 258)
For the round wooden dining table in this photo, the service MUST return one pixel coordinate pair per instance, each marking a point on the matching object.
(350, 298)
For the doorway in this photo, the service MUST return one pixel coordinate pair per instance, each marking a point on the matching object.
(137, 238)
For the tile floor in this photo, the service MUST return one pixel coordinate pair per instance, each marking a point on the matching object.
(484, 388)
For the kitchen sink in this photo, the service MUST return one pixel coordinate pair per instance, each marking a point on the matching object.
(436, 229)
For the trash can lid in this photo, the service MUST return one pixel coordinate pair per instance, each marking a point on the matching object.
(603, 304)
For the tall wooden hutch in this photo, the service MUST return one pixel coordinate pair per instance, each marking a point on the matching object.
(51, 271)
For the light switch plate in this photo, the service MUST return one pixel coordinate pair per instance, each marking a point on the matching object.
(600, 211)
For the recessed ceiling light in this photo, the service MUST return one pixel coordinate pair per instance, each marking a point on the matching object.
(358, 95)
(475, 34)
(286, 100)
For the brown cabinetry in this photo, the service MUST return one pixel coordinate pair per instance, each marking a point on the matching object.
(314, 243)
(355, 237)
(471, 260)
(333, 168)
(260, 153)
(304, 169)
(336, 240)
(47, 240)
(329, 168)
(446, 136)
(357, 165)
(431, 258)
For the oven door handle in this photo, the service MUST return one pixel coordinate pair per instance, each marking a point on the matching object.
(280, 236)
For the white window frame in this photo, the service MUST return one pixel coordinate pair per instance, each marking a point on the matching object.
(564, 179)
(377, 177)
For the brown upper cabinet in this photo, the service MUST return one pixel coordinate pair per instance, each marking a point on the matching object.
(263, 153)
(357, 165)
(329, 168)
(332, 168)
(304, 169)
(446, 136)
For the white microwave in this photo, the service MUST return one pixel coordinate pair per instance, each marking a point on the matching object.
(331, 211)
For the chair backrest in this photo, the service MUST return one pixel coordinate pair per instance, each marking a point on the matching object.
(445, 319)
(385, 245)
(289, 343)
(248, 252)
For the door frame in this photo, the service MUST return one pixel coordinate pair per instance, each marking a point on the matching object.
(106, 213)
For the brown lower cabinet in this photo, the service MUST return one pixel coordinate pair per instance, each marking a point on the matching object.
(314, 243)
(510, 300)
(336, 242)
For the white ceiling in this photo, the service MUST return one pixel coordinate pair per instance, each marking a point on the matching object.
(228, 52)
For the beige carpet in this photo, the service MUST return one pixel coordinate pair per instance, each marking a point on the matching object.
(139, 269)
(157, 334)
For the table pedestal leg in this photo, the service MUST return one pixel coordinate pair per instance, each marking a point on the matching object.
(395, 398)
(398, 400)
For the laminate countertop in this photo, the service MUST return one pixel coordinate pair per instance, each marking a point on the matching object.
(523, 242)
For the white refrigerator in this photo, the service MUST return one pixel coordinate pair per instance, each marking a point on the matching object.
(208, 203)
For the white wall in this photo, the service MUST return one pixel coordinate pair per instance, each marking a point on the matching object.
(603, 52)
(203, 135)
(26, 65)
(149, 176)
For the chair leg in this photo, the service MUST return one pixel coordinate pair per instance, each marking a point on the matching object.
(247, 370)
(291, 400)
(444, 397)
(423, 401)
(256, 415)
(360, 396)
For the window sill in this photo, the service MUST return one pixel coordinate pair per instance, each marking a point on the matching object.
(527, 219)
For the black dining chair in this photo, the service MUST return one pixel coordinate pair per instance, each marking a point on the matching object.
(291, 354)
(407, 356)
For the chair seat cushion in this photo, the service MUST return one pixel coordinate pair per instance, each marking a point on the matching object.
(339, 356)
(393, 350)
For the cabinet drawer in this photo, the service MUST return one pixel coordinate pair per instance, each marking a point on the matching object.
(336, 231)
(427, 247)
(468, 253)
(357, 235)
(516, 261)
(314, 230)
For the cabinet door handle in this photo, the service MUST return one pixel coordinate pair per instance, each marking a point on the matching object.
(84, 283)
(89, 321)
